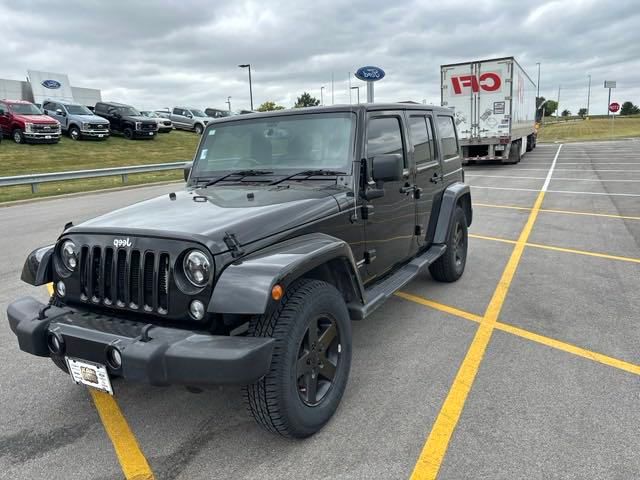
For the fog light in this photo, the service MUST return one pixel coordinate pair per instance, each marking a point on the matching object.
(114, 358)
(61, 289)
(196, 309)
(55, 343)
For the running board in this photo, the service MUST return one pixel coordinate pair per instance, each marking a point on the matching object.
(381, 291)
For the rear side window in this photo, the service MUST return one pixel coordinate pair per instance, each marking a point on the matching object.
(448, 137)
(384, 136)
(422, 138)
(177, 111)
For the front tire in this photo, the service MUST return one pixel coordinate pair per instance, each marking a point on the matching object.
(74, 133)
(128, 133)
(18, 136)
(450, 266)
(310, 364)
(198, 129)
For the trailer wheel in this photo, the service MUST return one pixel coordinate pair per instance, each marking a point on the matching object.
(514, 153)
(530, 143)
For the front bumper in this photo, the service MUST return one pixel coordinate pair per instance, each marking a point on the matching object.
(150, 354)
(31, 137)
(95, 133)
(145, 133)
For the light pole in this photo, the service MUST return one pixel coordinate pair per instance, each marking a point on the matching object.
(358, 89)
(538, 86)
(588, 95)
(322, 95)
(228, 102)
(248, 65)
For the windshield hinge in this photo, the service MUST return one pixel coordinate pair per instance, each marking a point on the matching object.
(233, 244)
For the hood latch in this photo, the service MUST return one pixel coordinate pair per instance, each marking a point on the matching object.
(233, 244)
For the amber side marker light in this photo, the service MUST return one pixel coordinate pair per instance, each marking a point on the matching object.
(276, 292)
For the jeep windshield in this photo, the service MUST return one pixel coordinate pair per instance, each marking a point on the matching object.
(78, 110)
(24, 109)
(281, 145)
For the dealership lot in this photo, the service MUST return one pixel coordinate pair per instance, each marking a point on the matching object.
(551, 288)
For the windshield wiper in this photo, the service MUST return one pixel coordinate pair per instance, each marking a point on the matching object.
(307, 174)
(240, 173)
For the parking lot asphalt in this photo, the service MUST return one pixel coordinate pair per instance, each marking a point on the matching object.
(527, 367)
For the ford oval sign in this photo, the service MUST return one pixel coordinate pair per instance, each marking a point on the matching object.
(53, 84)
(370, 74)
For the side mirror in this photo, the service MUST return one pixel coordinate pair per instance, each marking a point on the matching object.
(189, 115)
(387, 168)
(187, 170)
(59, 112)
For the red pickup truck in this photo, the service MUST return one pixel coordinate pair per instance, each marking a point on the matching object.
(25, 123)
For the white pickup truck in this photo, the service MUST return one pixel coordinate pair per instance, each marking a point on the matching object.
(186, 118)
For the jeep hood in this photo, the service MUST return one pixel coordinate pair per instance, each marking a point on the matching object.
(249, 212)
(34, 118)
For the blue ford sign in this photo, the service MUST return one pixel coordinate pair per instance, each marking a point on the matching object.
(370, 74)
(53, 84)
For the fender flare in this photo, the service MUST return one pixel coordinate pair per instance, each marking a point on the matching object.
(37, 269)
(451, 196)
(244, 287)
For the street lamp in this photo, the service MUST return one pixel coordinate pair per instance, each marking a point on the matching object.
(588, 95)
(357, 88)
(228, 102)
(322, 96)
(248, 65)
(538, 94)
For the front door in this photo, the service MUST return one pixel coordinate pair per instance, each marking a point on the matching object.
(389, 230)
(4, 120)
(429, 180)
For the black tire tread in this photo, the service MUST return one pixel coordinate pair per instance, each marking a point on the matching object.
(443, 269)
(261, 397)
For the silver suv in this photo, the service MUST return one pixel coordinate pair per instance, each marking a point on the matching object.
(192, 119)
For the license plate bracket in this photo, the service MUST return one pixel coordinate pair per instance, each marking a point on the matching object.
(91, 374)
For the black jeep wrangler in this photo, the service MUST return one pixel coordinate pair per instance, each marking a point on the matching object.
(127, 120)
(292, 224)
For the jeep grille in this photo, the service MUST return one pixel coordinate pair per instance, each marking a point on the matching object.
(131, 279)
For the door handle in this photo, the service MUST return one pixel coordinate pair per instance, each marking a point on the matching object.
(407, 189)
(435, 178)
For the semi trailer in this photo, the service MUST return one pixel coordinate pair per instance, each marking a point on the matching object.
(494, 104)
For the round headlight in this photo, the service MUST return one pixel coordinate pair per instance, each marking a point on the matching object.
(197, 268)
(68, 255)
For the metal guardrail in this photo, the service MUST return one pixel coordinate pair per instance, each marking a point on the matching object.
(35, 179)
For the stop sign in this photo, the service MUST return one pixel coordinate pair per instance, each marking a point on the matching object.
(614, 107)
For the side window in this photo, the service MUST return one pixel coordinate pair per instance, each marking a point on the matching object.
(177, 111)
(384, 136)
(47, 106)
(448, 137)
(422, 138)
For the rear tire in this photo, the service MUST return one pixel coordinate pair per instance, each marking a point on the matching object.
(310, 364)
(450, 266)
(18, 136)
(514, 153)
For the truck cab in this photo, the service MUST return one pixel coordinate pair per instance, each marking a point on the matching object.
(77, 120)
(25, 123)
(292, 224)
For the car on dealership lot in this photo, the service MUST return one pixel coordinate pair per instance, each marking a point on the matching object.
(76, 120)
(187, 118)
(165, 125)
(292, 224)
(126, 120)
(217, 113)
(25, 123)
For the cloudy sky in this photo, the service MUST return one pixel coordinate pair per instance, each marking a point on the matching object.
(159, 53)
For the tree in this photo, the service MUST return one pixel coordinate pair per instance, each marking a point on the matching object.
(628, 108)
(582, 112)
(306, 100)
(566, 113)
(550, 108)
(269, 106)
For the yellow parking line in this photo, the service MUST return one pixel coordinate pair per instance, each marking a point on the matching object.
(560, 249)
(552, 210)
(534, 337)
(437, 443)
(132, 461)
(134, 464)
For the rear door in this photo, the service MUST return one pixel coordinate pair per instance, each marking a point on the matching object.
(389, 230)
(428, 170)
